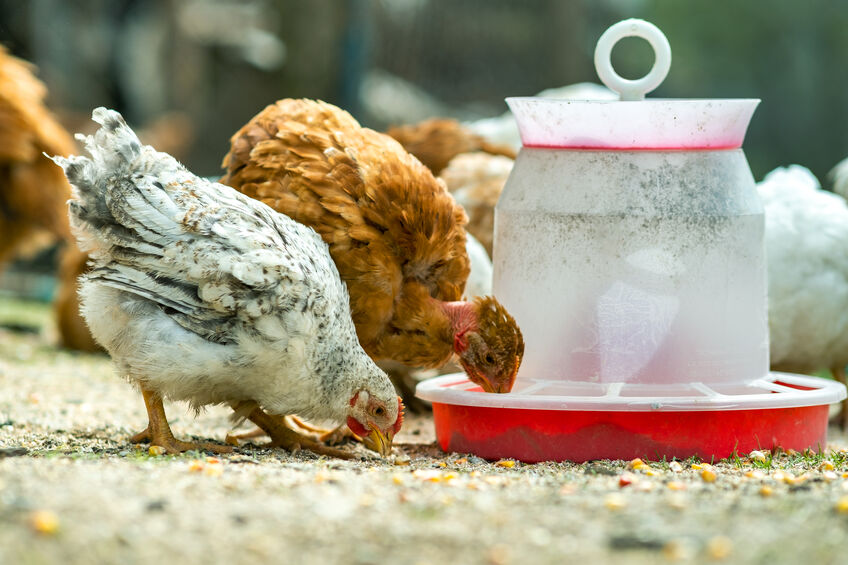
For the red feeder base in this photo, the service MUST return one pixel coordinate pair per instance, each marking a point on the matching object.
(558, 435)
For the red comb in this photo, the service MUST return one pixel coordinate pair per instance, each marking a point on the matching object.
(399, 421)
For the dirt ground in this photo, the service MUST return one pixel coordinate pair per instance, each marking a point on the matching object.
(73, 490)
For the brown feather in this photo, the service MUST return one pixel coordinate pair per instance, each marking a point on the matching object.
(395, 233)
(436, 141)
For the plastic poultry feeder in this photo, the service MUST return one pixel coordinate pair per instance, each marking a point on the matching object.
(629, 246)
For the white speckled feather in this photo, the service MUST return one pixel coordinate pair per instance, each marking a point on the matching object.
(206, 295)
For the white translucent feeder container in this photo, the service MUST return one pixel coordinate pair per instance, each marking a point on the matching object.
(629, 247)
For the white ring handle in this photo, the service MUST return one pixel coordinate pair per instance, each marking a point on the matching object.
(632, 89)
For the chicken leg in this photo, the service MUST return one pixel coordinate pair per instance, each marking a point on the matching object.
(331, 437)
(283, 436)
(158, 432)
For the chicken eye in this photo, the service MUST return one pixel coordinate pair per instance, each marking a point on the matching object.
(489, 359)
(379, 411)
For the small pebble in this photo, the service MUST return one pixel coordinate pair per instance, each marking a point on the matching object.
(402, 460)
(757, 455)
(675, 466)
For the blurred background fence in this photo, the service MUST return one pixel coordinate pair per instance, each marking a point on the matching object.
(204, 67)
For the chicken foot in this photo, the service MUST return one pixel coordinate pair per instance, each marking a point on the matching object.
(283, 436)
(158, 432)
(330, 437)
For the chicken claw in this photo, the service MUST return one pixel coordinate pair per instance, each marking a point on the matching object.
(283, 436)
(158, 432)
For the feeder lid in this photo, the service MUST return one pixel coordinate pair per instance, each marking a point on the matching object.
(632, 122)
(775, 390)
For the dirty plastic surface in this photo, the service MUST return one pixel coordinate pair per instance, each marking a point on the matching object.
(628, 266)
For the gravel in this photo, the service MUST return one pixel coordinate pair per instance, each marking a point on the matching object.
(73, 490)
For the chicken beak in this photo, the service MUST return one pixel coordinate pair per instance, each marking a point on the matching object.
(378, 441)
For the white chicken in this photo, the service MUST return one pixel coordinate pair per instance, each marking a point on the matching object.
(807, 254)
(202, 294)
(839, 176)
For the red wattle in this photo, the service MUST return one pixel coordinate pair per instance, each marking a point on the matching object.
(357, 427)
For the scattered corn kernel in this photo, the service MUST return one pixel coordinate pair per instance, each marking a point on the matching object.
(757, 455)
(402, 460)
(634, 463)
(461, 461)
(614, 501)
(508, 463)
(196, 465)
(213, 470)
(397, 479)
(844, 475)
(474, 474)
(842, 505)
(779, 475)
(708, 475)
(676, 485)
(719, 547)
(650, 472)
(156, 450)
(675, 466)
(697, 466)
(213, 460)
(755, 474)
(44, 522)
(442, 464)
(766, 491)
(826, 466)
(791, 452)
(793, 480)
(432, 476)
(231, 440)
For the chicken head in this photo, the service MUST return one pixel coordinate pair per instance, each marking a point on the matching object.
(488, 342)
(375, 421)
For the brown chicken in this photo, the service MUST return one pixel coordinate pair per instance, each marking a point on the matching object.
(33, 191)
(394, 232)
(436, 141)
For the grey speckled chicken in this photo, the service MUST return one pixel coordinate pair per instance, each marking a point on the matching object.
(204, 295)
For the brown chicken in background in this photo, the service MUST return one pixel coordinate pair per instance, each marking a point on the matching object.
(33, 192)
(394, 232)
(436, 141)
